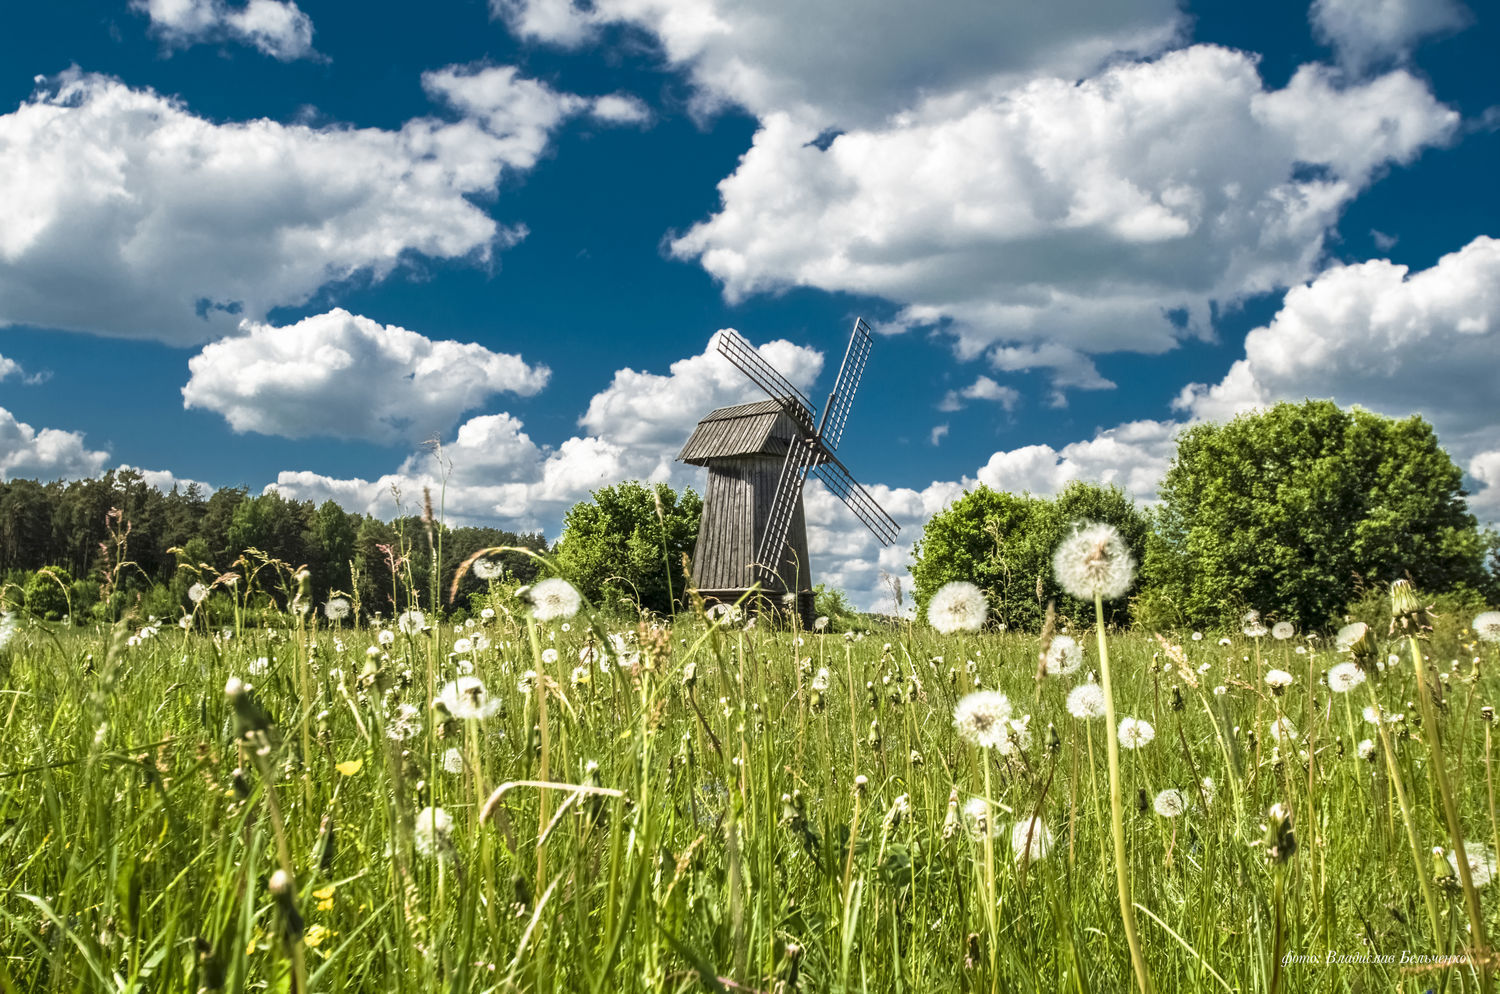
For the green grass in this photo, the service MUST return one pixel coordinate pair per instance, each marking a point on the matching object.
(730, 848)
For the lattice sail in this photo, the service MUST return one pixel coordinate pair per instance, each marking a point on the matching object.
(836, 413)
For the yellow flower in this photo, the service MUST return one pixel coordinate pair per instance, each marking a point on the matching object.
(350, 767)
(325, 897)
(315, 936)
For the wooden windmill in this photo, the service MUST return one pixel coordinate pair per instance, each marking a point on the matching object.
(753, 531)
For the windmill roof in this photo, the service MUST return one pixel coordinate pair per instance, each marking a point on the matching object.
(761, 428)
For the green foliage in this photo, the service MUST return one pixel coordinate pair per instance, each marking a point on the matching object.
(1292, 510)
(47, 593)
(1004, 543)
(620, 548)
(833, 604)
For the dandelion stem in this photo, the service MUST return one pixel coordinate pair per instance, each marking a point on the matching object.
(1116, 808)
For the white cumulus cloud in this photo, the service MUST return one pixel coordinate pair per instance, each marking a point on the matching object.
(346, 376)
(1058, 218)
(277, 28)
(1367, 33)
(854, 63)
(44, 454)
(982, 388)
(123, 213)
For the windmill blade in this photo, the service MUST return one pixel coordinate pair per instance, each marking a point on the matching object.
(837, 479)
(740, 352)
(836, 412)
(800, 455)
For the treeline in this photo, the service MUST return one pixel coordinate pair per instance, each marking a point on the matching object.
(120, 538)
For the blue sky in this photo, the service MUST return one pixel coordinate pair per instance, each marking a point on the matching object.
(283, 244)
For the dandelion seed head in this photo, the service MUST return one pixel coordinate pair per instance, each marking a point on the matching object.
(820, 679)
(1252, 626)
(453, 761)
(1344, 677)
(411, 622)
(197, 592)
(957, 607)
(1064, 656)
(1094, 561)
(981, 718)
(1278, 679)
(467, 698)
(1135, 732)
(1086, 701)
(1282, 730)
(1030, 839)
(553, 599)
(1170, 803)
(487, 569)
(337, 608)
(1487, 626)
(1481, 862)
(549, 655)
(1350, 634)
(1366, 749)
(1282, 630)
(432, 829)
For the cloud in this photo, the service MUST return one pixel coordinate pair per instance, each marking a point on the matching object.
(1059, 218)
(122, 213)
(1133, 456)
(45, 454)
(493, 472)
(1366, 33)
(1485, 467)
(939, 432)
(346, 376)
(983, 388)
(854, 64)
(620, 108)
(277, 28)
(1378, 335)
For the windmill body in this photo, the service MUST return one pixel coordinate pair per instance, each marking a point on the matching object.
(752, 539)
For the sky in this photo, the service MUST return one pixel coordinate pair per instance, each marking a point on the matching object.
(350, 250)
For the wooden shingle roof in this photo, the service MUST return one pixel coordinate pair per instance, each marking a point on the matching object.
(761, 428)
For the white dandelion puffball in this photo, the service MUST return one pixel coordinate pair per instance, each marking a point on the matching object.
(527, 683)
(1064, 656)
(1350, 634)
(957, 607)
(411, 622)
(820, 623)
(386, 636)
(488, 614)
(467, 698)
(1480, 859)
(462, 647)
(1208, 787)
(983, 718)
(1345, 677)
(1197, 636)
(549, 655)
(1487, 626)
(1282, 630)
(1086, 701)
(1170, 803)
(1135, 732)
(432, 828)
(978, 817)
(1030, 839)
(404, 723)
(197, 592)
(1252, 625)
(1278, 679)
(453, 761)
(337, 608)
(1366, 749)
(553, 599)
(258, 667)
(486, 569)
(1282, 730)
(820, 679)
(1094, 562)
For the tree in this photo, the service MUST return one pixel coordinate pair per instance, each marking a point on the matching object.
(617, 546)
(1291, 511)
(1004, 543)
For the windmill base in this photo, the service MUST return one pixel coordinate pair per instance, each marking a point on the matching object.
(763, 602)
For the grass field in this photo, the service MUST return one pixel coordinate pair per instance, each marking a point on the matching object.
(704, 807)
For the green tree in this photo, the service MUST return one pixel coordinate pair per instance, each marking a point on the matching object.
(617, 547)
(1293, 510)
(1004, 543)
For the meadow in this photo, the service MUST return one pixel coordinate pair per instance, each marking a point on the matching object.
(539, 800)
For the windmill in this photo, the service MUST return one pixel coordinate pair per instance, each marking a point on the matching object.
(753, 531)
